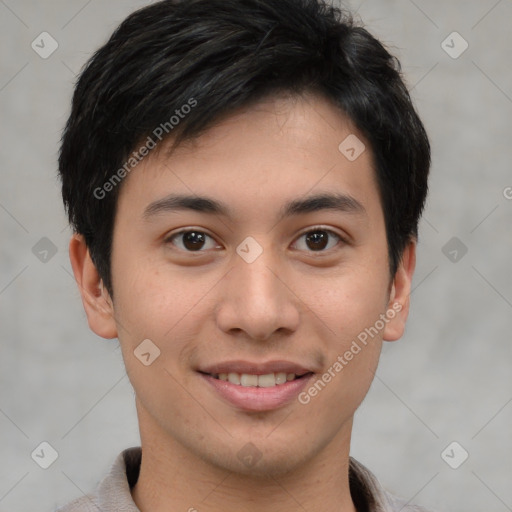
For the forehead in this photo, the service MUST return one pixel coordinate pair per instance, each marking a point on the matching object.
(272, 152)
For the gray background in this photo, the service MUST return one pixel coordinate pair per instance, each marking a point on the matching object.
(448, 379)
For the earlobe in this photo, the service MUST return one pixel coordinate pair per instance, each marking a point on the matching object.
(399, 299)
(96, 300)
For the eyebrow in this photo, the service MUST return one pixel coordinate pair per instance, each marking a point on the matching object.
(324, 201)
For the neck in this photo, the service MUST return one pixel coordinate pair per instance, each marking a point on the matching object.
(173, 478)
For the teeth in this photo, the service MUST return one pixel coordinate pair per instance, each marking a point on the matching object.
(248, 380)
(281, 378)
(267, 381)
(234, 378)
(263, 381)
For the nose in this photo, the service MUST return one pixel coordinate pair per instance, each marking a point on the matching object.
(257, 299)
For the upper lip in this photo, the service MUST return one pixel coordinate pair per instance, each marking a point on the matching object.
(255, 368)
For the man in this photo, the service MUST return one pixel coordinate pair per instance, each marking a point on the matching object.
(244, 179)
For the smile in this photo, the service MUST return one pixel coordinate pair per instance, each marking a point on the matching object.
(255, 393)
(262, 381)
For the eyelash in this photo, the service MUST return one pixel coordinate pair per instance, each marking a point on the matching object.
(169, 239)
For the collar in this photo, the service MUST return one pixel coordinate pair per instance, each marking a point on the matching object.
(114, 491)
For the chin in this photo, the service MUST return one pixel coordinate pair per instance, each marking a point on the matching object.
(260, 464)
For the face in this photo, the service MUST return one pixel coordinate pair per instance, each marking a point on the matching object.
(257, 254)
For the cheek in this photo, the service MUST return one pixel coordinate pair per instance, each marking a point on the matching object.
(164, 307)
(148, 300)
(349, 302)
(349, 382)
(153, 314)
(350, 309)
(351, 357)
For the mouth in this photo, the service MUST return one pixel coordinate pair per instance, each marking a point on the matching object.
(256, 387)
(267, 380)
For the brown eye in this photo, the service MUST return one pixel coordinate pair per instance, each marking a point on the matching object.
(191, 241)
(318, 240)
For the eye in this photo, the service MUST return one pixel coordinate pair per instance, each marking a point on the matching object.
(318, 240)
(192, 240)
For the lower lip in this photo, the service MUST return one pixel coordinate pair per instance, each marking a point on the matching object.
(254, 398)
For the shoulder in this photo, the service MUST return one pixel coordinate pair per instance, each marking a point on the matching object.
(87, 503)
(369, 493)
(113, 492)
(397, 504)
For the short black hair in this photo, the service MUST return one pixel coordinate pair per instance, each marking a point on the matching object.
(174, 68)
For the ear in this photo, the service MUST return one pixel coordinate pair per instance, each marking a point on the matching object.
(399, 297)
(97, 303)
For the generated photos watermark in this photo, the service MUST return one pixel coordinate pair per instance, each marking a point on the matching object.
(355, 348)
(157, 135)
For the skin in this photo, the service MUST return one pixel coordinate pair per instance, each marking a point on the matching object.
(292, 303)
